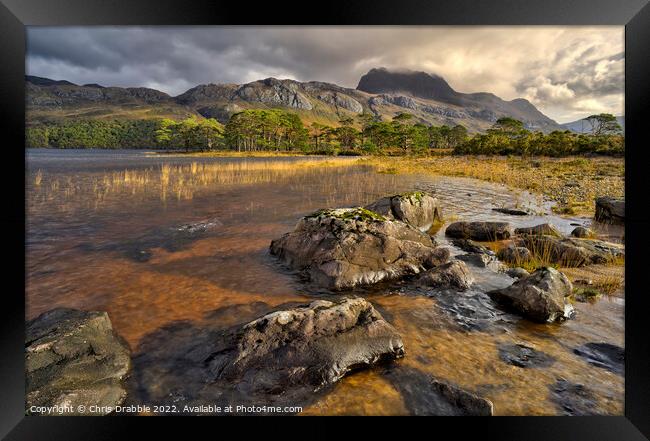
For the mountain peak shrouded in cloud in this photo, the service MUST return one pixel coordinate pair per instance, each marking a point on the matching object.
(566, 72)
(419, 84)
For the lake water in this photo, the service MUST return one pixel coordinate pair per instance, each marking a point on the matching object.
(158, 241)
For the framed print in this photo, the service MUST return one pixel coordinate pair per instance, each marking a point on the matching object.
(423, 209)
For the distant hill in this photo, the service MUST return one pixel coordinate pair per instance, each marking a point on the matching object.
(380, 92)
(40, 81)
(582, 126)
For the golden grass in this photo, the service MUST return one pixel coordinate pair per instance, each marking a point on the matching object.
(182, 182)
(573, 183)
(38, 178)
(228, 154)
(605, 278)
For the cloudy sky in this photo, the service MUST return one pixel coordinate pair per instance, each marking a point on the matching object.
(567, 72)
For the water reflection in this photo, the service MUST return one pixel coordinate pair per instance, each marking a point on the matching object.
(160, 241)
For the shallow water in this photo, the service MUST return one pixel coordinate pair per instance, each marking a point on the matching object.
(159, 241)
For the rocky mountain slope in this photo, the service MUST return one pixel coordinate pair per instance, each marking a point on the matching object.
(582, 126)
(380, 92)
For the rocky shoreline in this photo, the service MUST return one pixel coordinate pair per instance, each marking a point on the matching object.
(293, 353)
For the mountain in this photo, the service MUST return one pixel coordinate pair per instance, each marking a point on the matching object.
(582, 126)
(432, 94)
(381, 92)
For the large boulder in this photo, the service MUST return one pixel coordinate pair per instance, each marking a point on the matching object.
(308, 347)
(481, 231)
(542, 229)
(573, 251)
(610, 210)
(416, 208)
(514, 254)
(73, 358)
(255, 354)
(348, 247)
(541, 297)
(452, 274)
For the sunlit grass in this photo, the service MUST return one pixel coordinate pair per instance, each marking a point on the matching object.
(573, 183)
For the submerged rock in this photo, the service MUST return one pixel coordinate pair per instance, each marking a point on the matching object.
(426, 395)
(524, 356)
(348, 247)
(572, 251)
(200, 226)
(603, 355)
(610, 210)
(573, 399)
(542, 229)
(481, 231)
(483, 261)
(468, 403)
(74, 358)
(449, 275)
(416, 208)
(582, 232)
(541, 297)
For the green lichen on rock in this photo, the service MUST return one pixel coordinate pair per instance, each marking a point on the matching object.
(356, 213)
(415, 197)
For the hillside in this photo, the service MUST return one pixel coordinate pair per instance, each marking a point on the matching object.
(380, 92)
(582, 126)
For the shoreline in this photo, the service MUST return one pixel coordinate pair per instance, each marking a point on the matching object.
(571, 182)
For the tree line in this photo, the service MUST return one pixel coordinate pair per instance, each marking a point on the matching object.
(279, 130)
(509, 137)
(92, 134)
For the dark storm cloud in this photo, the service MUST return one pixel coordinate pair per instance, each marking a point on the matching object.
(565, 71)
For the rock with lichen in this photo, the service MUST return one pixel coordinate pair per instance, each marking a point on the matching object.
(416, 208)
(348, 247)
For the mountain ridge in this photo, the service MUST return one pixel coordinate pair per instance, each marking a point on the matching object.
(582, 126)
(427, 96)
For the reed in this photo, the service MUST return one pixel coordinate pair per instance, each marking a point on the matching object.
(38, 178)
(185, 181)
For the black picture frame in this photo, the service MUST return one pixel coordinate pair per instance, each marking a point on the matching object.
(634, 14)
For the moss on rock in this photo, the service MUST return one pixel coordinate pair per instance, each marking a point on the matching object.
(415, 197)
(356, 213)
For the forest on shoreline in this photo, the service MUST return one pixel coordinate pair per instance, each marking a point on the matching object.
(277, 130)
